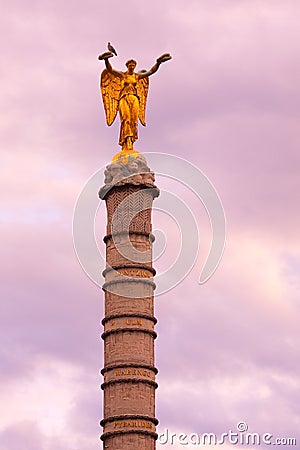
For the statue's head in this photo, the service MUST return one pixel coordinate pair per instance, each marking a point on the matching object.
(131, 65)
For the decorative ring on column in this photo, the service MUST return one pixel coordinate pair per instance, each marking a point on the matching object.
(114, 433)
(139, 233)
(129, 267)
(121, 316)
(129, 417)
(122, 330)
(129, 380)
(128, 365)
(128, 280)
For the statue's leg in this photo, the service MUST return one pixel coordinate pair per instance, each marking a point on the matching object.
(134, 116)
(125, 129)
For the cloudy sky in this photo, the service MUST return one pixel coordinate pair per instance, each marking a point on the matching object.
(228, 102)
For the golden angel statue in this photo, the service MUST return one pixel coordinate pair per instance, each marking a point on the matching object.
(126, 92)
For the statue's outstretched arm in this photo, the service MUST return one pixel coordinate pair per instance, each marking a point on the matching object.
(163, 58)
(108, 66)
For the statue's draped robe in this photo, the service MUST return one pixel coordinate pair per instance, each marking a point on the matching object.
(127, 94)
(129, 109)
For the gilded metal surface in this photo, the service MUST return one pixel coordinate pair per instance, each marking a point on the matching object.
(126, 155)
(126, 93)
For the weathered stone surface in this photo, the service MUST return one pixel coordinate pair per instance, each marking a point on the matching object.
(129, 371)
(135, 173)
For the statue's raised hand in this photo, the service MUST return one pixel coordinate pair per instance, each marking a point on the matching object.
(163, 58)
(105, 55)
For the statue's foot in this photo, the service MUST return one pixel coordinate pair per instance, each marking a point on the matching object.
(128, 146)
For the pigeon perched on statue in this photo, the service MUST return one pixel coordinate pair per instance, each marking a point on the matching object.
(111, 49)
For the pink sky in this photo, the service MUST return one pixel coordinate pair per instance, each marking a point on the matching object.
(228, 102)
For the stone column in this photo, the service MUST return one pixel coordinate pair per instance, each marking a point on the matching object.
(129, 372)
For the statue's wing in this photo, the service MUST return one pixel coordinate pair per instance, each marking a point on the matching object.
(110, 88)
(142, 92)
